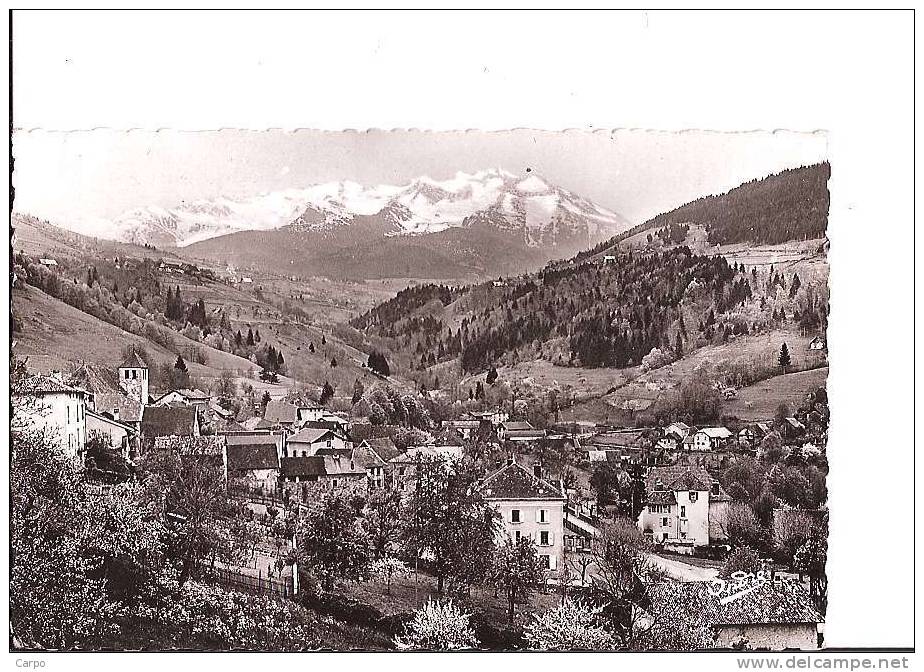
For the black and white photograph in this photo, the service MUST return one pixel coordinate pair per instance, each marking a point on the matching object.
(406, 389)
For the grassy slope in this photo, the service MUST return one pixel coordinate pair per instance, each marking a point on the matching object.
(595, 400)
(56, 335)
(760, 401)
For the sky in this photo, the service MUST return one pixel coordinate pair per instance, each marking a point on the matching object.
(77, 178)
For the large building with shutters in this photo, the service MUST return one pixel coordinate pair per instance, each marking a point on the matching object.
(531, 507)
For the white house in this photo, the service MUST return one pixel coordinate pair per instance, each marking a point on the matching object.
(495, 416)
(306, 442)
(530, 507)
(45, 403)
(817, 343)
(711, 438)
(309, 412)
(679, 430)
(686, 507)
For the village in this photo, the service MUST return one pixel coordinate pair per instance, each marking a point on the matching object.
(708, 506)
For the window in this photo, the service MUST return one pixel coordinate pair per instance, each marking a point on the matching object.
(664, 522)
(516, 536)
(683, 512)
(694, 496)
(715, 489)
(134, 375)
(68, 414)
(683, 535)
(335, 482)
(126, 374)
(515, 516)
(541, 516)
(545, 561)
(400, 471)
(304, 453)
(543, 538)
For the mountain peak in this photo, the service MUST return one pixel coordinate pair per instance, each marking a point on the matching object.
(424, 205)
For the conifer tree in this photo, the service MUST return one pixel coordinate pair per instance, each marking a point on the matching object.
(784, 359)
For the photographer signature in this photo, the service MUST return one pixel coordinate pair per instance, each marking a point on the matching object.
(739, 584)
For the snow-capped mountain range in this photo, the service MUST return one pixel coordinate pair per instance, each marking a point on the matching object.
(542, 211)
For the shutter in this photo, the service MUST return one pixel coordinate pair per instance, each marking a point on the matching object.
(553, 562)
(551, 538)
(538, 515)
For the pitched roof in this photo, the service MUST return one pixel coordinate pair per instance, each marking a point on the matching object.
(253, 439)
(41, 384)
(337, 465)
(366, 457)
(716, 432)
(683, 478)
(108, 420)
(281, 411)
(133, 361)
(217, 409)
(794, 423)
(168, 421)
(628, 438)
(514, 481)
(517, 426)
(310, 435)
(320, 465)
(326, 424)
(771, 602)
(95, 379)
(662, 497)
(129, 407)
(679, 426)
(384, 447)
(248, 456)
(334, 452)
(302, 466)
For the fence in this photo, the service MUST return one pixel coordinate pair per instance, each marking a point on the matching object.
(262, 585)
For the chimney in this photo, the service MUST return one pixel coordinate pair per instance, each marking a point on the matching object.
(509, 460)
(115, 413)
(537, 470)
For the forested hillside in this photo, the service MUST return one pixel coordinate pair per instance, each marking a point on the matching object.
(650, 303)
(791, 205)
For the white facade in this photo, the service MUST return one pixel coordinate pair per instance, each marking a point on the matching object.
(63, 415)
(696, 517)
(710, 438)
(541, 521)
